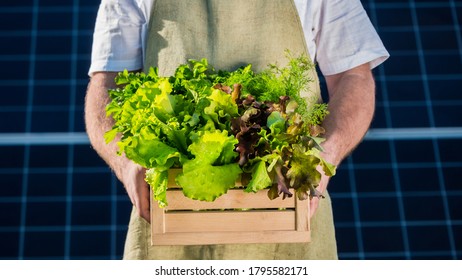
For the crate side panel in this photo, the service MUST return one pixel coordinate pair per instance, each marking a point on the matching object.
(229, 221)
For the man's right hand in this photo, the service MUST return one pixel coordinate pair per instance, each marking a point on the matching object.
(137, 189)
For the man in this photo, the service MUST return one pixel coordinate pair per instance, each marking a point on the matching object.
(337, 35)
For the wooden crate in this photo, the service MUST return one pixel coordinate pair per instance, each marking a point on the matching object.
(234, 218)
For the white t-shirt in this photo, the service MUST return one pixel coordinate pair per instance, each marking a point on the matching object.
(338, 33)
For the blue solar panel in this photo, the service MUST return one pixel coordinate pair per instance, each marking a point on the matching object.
(398, 196)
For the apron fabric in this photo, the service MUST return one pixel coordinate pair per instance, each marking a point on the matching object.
(229, 34)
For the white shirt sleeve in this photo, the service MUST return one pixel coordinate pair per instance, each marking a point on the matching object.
(118, 36)
(340, 35)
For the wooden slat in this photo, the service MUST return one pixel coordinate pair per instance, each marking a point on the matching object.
(157, 218)
(179, 238)
(302, 219)
(233, 221)
(234, 199)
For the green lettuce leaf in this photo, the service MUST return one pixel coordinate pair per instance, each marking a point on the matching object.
(164, 103)
(260, 178)
(207, 182)
(221, 109)
(328, 168)
(276, 122)
(149, 151)
(157, 178)
(214, 148)
(213, 171)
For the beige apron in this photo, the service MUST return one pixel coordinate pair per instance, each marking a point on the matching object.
(229, 33)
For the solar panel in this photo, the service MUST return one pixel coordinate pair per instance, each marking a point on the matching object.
(398, 196)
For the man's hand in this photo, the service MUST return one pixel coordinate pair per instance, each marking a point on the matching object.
(137, 188)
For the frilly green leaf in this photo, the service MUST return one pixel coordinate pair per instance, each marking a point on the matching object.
(206, 182)
(157, 178)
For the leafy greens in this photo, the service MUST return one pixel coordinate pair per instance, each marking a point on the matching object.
(219, 125)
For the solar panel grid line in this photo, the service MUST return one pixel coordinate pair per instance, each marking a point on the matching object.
(47, 9)
(444, 197)
(63, 228)
(47, 33)
(38, 108)
(41, 57)
(72, 101)
(457, 28)
(416, 103)
(39, 82)
(64, 198)
(420, 53)
(378, 255)
(432, 124)
(69, 202)
(404, 165)
(31, 75)
(419, 4)
(412, 133)
(431, 77)
(386, 224)
(356, 211)
(398, 29)
(53, 170)
(392, 194)
(389, 124)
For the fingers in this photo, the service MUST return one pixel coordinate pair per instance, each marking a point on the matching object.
(143, 203)
(138, 190)
(314, 201)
